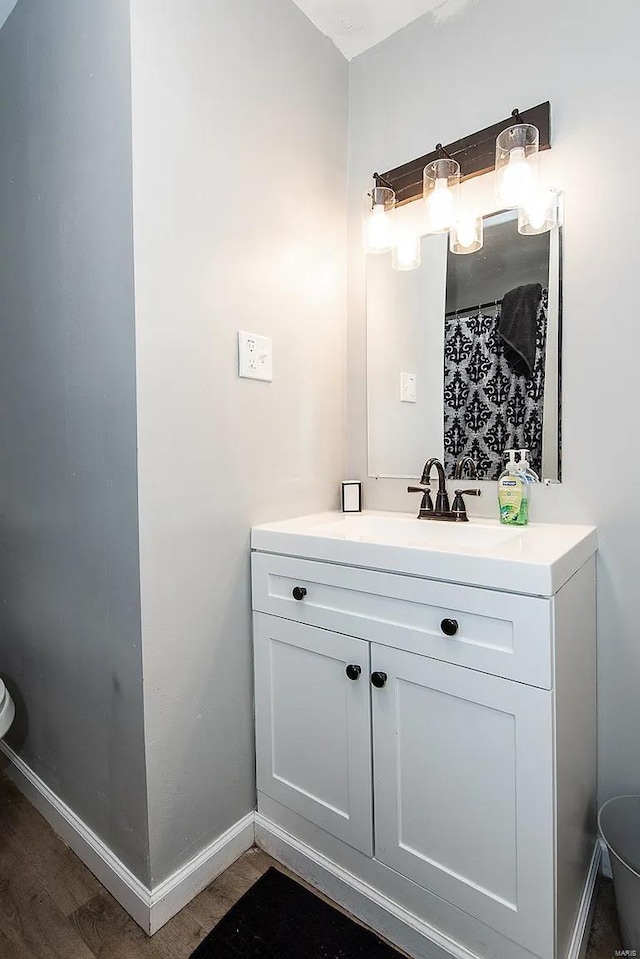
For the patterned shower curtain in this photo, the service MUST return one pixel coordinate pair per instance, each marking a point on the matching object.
(487, 407)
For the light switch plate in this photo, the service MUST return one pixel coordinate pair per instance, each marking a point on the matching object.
(407, 387)
(255, 356)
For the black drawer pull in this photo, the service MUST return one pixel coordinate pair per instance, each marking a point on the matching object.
(379, 679)
(298, 592)
(449, 627)
(353, 671)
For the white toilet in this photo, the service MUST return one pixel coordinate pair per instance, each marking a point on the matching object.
(7, 710)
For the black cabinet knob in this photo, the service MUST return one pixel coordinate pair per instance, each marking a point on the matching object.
(353, 671)
(298, 592)
(449, 627)
(378, 679)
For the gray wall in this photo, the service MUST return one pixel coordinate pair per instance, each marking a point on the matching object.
(240, 136)
(70, 644)
(531, 53)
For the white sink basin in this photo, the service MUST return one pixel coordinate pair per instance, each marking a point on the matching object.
(537, 559)
(405, 530)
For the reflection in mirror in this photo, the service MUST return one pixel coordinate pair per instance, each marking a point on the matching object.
(463, 354)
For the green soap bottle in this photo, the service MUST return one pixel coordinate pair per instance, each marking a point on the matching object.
(513, 493)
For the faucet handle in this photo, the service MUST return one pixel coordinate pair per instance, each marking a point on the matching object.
(459, 509)
(426, 503)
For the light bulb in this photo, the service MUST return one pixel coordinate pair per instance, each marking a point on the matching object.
(406, 253)
(441, 179)
(516, 181)
(441, 206)
(466, 232)
(537, 211)
(379, 231)
(467, 236)
(539, 214)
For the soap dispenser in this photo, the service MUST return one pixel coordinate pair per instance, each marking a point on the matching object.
(513, 493)
(530, 475)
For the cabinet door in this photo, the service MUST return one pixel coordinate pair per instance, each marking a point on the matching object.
(464, 790)
(313, 726)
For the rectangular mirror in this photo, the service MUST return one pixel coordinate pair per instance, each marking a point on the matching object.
(464, 354)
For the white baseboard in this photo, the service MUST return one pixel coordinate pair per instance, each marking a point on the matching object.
(150, 908)
(580, 938)
(605, 865)
(174, 893)
(132, 894)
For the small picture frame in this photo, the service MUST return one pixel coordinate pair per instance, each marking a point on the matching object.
(351, 496)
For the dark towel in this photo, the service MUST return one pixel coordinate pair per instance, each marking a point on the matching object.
(518, 326)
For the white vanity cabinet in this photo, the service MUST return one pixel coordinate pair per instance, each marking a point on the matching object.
(435, 743)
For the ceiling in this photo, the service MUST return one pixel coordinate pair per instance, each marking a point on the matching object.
(356, 25)
(353, 25)
(6, 6)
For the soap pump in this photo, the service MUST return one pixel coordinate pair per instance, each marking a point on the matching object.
(513, 493)
(530, 475)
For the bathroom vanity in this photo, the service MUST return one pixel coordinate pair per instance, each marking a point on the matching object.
(426, 725)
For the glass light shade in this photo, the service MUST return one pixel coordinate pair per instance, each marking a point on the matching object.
(379, 204)
(441, 179)
(407, 251)
(517, 164)
(540, 213)
(467, 235)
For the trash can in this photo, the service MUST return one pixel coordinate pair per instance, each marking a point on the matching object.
(619, 825)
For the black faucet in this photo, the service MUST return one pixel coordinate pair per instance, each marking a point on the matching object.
(442, 510)
(462, 462)
(442, 497)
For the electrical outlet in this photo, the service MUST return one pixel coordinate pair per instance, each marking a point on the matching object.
(255, 356)
(407, 387)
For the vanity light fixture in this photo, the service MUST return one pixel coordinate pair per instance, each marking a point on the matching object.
(539, 214)
(509, 147)
(379, 204)
(475, 152)
(441, 179)
(517, 163)
(467, 234)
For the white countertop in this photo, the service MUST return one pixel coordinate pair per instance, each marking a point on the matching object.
(536, 559)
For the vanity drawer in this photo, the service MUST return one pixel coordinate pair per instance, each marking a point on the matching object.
(503, 634)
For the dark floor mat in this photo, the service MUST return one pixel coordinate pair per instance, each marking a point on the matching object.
(280, 919)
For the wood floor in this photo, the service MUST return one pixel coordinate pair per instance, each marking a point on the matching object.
(51, 907)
